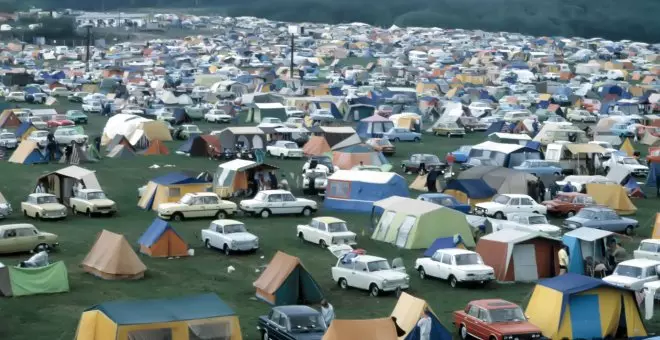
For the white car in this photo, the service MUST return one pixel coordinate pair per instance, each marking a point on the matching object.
(92, 201)
(5, 210)
(217, 116)
(229, 236)
(38, 122)
(8, 140)
(529, 222)
(166, 115)
(60, 92)
(648, 249)
(292, 111)
(630, 163)
(189, 130)
(197, 205)
(271, 121)
(456, 266)
(315, 180)
(516, 116)
(40, 137)
(133, 110)
(43, 206)
(69, 136)
(284, 149)
(633, 274)
(15, 97)
(371, 273)
(582, 116)
(326, 231)
(94, 107)
(502, 205)
(478, 109)
(322, 115)
(277, 202)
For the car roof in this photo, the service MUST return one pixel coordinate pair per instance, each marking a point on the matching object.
(640, 262)
(275, 191)
(90, 190)
(571, 194)
(328, 219)
(16, 225)
(296, 310)
(493, 303)
(651, 240)
(368, 258)
(41, 194)
(200, 194)
(224, 222)
(455, 251)
(598, 208)
(527, 214)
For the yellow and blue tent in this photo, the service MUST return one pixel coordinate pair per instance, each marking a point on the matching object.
(195, 317)
(573, 306)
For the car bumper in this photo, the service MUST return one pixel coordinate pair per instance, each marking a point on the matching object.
(52, 216)
(248, 210)
(9, 145)
(477, 278)
(104, 211)
(392, 288)
(244, 248)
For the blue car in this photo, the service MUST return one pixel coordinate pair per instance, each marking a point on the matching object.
(445, 200)
(621, 130)
(601, 218)
(539, 167)
(462, 154)
(401, 134)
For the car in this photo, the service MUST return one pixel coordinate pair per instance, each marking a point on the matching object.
(277, 202)
(43, 206)
(40, 137)
(326, 231)
(413, 163)
(568, 203)
(271, 120)
(133, 110)
(217, 116)
(604, 218)
(92, 106)
(633, 274)
(324, 160)
(60, 92)
(621, 130)
(294, 322)
(462, 154)
(69, 136)
(445, 200)
(539, 167)
(38, 122)
(188, 131)
(371, 273)
(456, 266)
(516, 116)
(383, 145)
(582, 116)
(59, 120)
(501, 205)
(557, 120)
(319, 178)
(478, 109)
(295, 122)
(197, 205)
(292, 111)
(23, 237)
(494, 319)
(630, 163)
(535, 223)
(322, 115)
(397, 134)
(449, 129)
(77, 97)
(477, 161)
(76, 116)
(653, 155)
(15, 97)
(92, 201)
(8, 140)
(229, 236)
(284, 149)
(648, 249)
(471, 124)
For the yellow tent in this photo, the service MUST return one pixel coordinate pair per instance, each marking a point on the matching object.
(613, 196)
(170, 188)
(656, 227)
(409, 310)
(627, 147)
(195, 317)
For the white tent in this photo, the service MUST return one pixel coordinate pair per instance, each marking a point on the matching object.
(168, 98)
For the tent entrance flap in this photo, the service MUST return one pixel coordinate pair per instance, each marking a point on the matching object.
(585, 318)
(151, 334)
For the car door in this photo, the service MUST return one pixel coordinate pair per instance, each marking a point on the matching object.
(320, 232)
(26, 239)
(290, 204)
(9, 241)
(526, 205)
(435, 265)
(211, 205)
(445, 267)
(196, 208)
(275, 204)
(482, 324)
(514, 205)
(273, 325)
(472, 322)
(612, 221)
(360, 276)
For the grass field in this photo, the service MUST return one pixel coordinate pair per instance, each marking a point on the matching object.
(55, 317)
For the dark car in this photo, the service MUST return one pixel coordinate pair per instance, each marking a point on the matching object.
(291, 323)
(430, 161)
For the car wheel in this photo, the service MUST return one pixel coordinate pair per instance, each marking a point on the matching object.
(307, 211)
(301, 237)
(226, 250)
(36, 216)
(265, 213)
(416, 140)
(570, 214)
(177, 217)
(268, 153)
(88, 212)
(396, 140)
(422, 273)
(629, 230)
(25, 213)
(282, 156)
(74, 211)
(452, 281)
(462, 332)
(499, 215)
(220, 215)
(265, 337)
(343, 284)
(207, 244)
(373, 290)
(322, 244)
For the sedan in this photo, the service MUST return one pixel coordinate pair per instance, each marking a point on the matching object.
(601, 218)
(445, 200)
(448, 129)
(292, 323)
(400, 134)
(538, 167)
(76, 116)
(59, 120)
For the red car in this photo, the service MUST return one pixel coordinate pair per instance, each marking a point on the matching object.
(59, 120)
(494, 319)
(568, 203)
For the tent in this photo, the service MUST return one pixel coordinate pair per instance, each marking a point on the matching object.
(358, 112)
(413, 224)
(654, 172)
(170, 188)
(113, 258)
(24, 131)
(121, 151)
(586, 242)
(28, 152)
(316, 146)
(505, 181)
(350, 156)
(627, 147)
(336, 134)
(259, 111)
(656, 227)
(447, 242)
(285, 281)
(15, 281)
(119, 140)
(373, 127)
(232, 177)
(80, 155)
(201, 146)
(156, 147)
(520, 256)
(127, 124)
(161, 240)
(503, 154)
(356, 191)
(573, 306)
(372, 329)
(250, 137)
(408, 310)
(61, 182)
(9, 120)
(186, 318)
(613, 196)
(469, 191)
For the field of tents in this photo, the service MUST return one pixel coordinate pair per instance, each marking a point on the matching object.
(56, 316)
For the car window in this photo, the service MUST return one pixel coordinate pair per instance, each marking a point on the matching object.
(288, 198)
(275, 198)
(525, 201)
(314, 224)
(483, 315)
(437, 257)
(347, 264)
(283, 321)
(473, 311)
(446, 259)
(611, 215)
(360, 266)
(9, 233)
(651, 271)
(26, 232)
(514, 201)
(274, 315)
(210, 200)
(320, 226)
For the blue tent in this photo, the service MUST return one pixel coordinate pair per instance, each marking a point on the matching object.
(373, 127)
(443, 243)
(161, 240)
(25, 127)
(500, 126)
(654, 172)
(438, 331)
(472, 188)
(356, 191)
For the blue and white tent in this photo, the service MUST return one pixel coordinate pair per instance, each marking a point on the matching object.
(356, 191)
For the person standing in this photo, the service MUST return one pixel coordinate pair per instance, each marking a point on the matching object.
(327, 311)
(424, 325)
(284, 184)
(541, 191)
(563, 259)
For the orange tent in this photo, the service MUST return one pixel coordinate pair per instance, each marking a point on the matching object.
(316, 146)
(112, 258)
(161, 240)
(156, 147)
(656, 227)
(9, 120)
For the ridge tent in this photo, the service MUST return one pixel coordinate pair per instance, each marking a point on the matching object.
(24, 130)
(613, 196)
(121, 151)
(285, 281)
(80, 155)
(413, 224)
(28, 152)
(250, 137)
(113, 258)
(627, 147)
(503, 154)
(170, 188)
(119, 140)
(156, 147)
(358, 112)
(573, 306)
(259, 111)
(62, 182)
(469, 191)
(9, 120)
(15, 281)
(201, 146)
(194, 317)
(127, 124)
(585, 242)
(316, 146)
(336, 134)
(373, 127)
(232, 177)
(352, 190)
(161, 240)
(519, 256)
(359, 154)
(371, 329)
(420, 182)
(408, 310)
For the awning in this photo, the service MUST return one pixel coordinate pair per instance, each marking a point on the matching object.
(585, 148)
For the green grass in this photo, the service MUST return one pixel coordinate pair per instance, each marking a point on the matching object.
(56, 316)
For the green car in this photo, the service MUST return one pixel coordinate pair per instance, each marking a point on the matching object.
(76, 116)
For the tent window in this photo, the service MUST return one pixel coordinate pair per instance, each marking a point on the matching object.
(339, 189)
(404, 231)
(210, 331)
(385, 223)
(174, 192)
(151, 334)
(378, 128)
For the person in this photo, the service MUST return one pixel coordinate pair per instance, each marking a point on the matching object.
(562, 254)
(450, 159)
(273, 180)
(327, 311)
(616, 254)
(541, 191)
(568, 187)
(284, 184)
(424, 325)
(554, 188)
(431, 180)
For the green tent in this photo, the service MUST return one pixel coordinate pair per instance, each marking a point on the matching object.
(52, 278)
(286, 282)
(415, 224)
(259, 111)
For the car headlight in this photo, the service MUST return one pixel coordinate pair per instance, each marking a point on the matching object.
(385, 282)
(407, 278)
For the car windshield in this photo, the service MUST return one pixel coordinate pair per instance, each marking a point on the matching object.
(337, 227)
(186, 199)
(507, 315)
(375, 266)
(587, 214)
(46, 199)
(629, 271)
(630, 161)
(95, 195)
(650, 247)
(41, 134)
(235, 228)
(468, 259)
(260, 197)
(430, 159)
(307, 323)
(501, 199)
(290, 145)
(538, 220)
